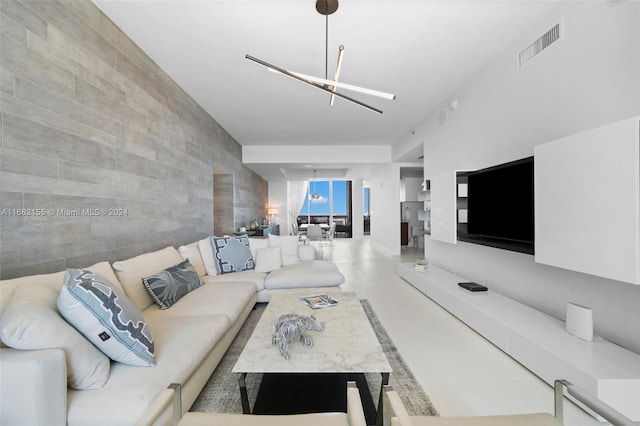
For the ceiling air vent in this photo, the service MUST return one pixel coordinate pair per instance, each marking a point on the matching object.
(544, 41)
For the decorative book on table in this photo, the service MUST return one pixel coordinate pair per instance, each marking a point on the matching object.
(421, 264)
(319, 301)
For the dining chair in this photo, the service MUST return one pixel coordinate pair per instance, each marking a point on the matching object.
(353, 417)
(314, 233)
(171, 399)
(395, 413)
(302, 238)
(328, 235)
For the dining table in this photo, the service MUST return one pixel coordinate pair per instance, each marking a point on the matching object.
(325, 227)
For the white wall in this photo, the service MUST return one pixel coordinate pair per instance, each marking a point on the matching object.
(357, 209)
(320, 154)
(409, 188)
(384, 199)
(278, 198)
(588, 79)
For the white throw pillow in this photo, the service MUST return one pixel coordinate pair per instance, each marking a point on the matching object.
(31, 322)
(288, 248)
(257, 243)
(307, 253)
(107, 317)
(191, 252)
(268, 259)
(206, 251)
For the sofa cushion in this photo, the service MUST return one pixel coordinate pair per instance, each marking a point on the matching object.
(7, 287)
(168, 286)
(107, 317)
(31, 322)
(221, 298)
(232, 254)
(131, 271)
(104, 269)
(182, 343)
(316, 273)
(268, 259)
(257, 278)
(288, 246)
(208, 259)
(307, 253)
(192, 252)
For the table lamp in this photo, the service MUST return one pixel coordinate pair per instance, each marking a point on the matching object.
(272, 212)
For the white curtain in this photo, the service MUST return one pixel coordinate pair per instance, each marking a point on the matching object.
(296, 196)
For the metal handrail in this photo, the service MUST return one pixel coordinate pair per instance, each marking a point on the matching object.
(606, 411)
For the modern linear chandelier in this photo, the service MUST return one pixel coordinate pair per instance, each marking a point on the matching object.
(326, 8)
(314, 195)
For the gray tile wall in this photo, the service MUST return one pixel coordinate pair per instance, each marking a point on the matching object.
(91, 126)
(222, 204)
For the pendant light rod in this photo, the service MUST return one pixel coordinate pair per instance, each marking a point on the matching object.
(337, 74)
(388, 96)
(315, 195)
(326, 47)
(311, 83)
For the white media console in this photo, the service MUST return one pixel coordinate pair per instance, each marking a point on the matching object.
(536, 340)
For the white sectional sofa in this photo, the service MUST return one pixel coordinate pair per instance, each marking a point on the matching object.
(294, 266)
(43, 358)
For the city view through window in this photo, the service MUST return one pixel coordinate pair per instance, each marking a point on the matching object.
(317, 202)
(320, 205)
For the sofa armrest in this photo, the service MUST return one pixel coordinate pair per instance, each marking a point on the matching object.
(306, 253)
(33, 387)
(355, 412)
(394, 411)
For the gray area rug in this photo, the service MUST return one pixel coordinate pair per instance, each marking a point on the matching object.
(221, 393)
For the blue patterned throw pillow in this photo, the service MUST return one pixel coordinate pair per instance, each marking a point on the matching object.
(232, 254)
(172, 284)
(107, 317)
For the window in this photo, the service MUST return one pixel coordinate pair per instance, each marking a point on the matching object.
(340, 200)
(366, 201)
(318, 198)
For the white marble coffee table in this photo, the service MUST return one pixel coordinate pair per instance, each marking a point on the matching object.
(348, 343)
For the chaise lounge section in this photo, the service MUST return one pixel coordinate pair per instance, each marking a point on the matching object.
(281, 263)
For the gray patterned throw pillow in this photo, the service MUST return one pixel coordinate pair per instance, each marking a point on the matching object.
(172, 284)
(107, 317)
(232, 254)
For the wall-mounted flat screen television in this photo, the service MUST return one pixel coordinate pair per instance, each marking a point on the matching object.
(501, 206)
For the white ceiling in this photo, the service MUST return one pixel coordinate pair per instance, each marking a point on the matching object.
(420, 50)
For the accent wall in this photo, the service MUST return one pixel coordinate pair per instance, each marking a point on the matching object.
(103, 156)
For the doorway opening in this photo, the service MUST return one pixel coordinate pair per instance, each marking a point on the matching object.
(412, 208)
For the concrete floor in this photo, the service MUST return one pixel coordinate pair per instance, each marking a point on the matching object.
(462, 373)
